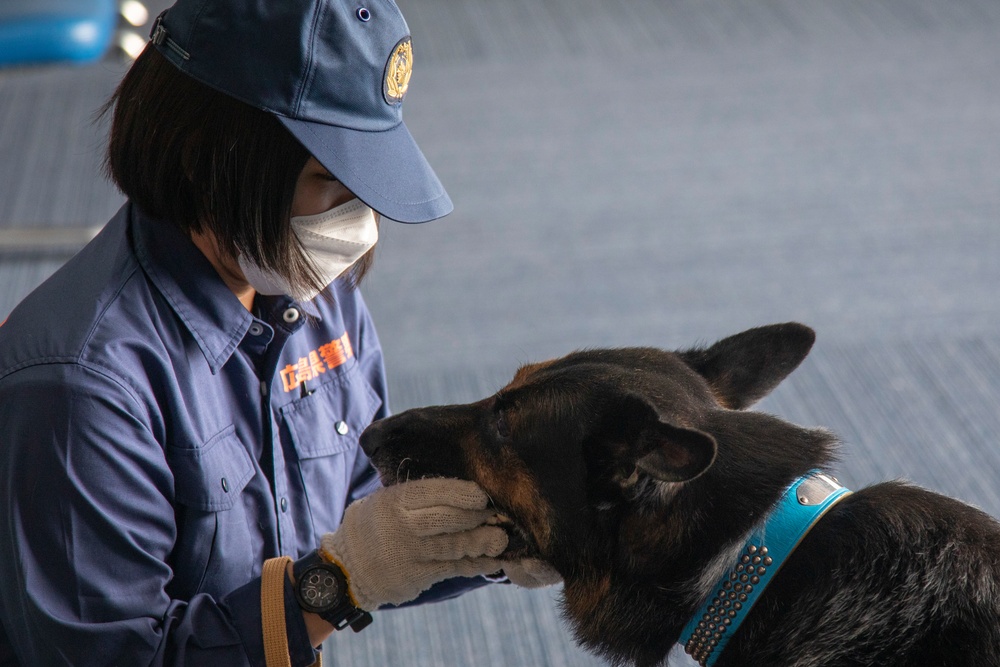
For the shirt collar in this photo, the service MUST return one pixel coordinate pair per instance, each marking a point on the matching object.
(190, 284)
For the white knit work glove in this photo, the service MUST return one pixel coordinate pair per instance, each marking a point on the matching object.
(399, 541)
(531, 573)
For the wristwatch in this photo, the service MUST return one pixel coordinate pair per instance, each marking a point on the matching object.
(321, 587)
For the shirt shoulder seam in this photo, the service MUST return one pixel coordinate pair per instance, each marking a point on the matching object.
(75, 361)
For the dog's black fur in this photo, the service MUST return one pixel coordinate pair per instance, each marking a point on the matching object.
(638, 474)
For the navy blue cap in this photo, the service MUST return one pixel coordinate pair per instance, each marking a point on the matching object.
(334, 72)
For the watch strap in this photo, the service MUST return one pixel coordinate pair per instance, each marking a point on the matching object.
(348, 615)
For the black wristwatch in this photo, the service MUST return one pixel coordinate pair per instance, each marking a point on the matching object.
(321, 587)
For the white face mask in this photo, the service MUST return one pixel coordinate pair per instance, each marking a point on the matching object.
(333, 241)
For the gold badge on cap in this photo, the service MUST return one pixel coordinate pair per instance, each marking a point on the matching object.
(397, 72)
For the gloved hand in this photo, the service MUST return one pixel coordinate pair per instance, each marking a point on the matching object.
(531, 573)
(400, 540)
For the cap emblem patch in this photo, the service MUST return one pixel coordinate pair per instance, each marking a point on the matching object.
(397, 72)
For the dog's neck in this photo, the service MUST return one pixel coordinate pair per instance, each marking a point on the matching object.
(729, 601)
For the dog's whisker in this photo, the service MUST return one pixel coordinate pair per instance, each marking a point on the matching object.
(490, 498)
(403, 467)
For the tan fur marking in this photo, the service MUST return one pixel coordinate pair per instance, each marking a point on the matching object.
(585, 597)
(525, 373)
(719, 398)
(509, 483)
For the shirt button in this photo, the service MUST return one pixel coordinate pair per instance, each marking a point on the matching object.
(256, 329)
(291, 315)
(341, 427)
(225, 485)
(284, 505)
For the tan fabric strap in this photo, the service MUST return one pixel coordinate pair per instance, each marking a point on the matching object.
(272, 613)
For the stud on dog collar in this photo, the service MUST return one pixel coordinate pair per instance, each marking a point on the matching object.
(801, 506)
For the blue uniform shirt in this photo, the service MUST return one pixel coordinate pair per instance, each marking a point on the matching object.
(158, 442)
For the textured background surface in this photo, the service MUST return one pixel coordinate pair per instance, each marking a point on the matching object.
(665, 173)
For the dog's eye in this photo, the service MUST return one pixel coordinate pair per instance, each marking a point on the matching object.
(503, 428)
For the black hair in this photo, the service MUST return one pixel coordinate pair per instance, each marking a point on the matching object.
(190, 155)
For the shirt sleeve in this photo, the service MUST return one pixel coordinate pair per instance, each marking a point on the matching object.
(87, 531)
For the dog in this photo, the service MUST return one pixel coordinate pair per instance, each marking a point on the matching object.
(640, 475)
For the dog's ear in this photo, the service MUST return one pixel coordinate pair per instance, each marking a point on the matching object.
(744, 368)
(676, 454)
(663, 451)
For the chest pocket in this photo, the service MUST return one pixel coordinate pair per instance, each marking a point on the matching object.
(213, 553)
(324, 428)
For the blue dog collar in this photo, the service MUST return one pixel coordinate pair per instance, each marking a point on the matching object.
(802, 505)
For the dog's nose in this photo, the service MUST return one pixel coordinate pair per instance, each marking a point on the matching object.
(371, 438)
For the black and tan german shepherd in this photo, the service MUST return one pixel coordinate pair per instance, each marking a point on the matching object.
(638, 474)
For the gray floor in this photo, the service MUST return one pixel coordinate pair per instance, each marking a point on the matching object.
(666, 173)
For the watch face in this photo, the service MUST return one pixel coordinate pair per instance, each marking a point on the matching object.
(319, 589)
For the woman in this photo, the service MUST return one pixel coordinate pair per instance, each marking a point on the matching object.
(181, 402)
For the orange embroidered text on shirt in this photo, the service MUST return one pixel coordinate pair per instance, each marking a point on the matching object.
(327, 357)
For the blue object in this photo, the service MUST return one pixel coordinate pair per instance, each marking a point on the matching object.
(335, 74)
(46, 31)
(801, 506)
